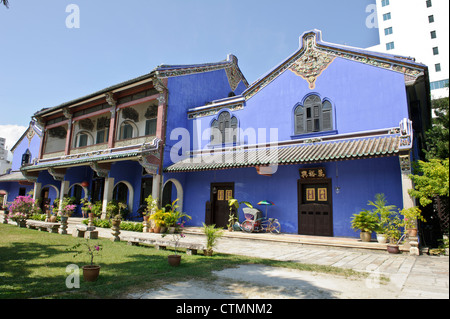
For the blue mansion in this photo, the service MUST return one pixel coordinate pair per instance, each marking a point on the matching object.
(318, 135)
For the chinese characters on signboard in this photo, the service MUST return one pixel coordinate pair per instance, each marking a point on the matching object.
(322, 195)
(312, 173)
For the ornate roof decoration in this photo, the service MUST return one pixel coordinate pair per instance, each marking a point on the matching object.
(312, 62)
(230, 65)
(213, 110)
(314, 56)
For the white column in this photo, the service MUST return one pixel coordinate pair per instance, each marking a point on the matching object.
(405, 165)
(37, 191)
(156, 186)
(107, 194)
(63, 192)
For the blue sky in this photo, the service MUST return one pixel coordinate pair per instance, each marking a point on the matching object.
(43, 63)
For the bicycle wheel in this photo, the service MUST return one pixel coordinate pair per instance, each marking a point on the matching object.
(247, 226)
(275, 228)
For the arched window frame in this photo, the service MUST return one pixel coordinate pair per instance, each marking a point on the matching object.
(134, 132)
(224, 129)
(26, 157)
(313, 115)
(89, 139)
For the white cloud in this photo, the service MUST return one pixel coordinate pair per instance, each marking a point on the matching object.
(11, 133)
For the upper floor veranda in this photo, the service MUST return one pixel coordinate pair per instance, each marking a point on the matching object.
(127, 115)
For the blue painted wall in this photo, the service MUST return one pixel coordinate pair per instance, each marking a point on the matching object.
(359, 181)
(21, 148)
(189, 91)
(364, 98)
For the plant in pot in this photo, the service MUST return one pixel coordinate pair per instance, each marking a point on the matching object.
(393, 232)
(212, 235)
(97, 209)
(174, 260)
(365, 221)
(158, 219)
(86, 207)
(91, 271)
(383, 211)
(173, 217)
(410, 217)
(68, 206)
(151, 208)
(20, 209)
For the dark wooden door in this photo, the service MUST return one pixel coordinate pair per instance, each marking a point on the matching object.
(315, 215)
(220, 194)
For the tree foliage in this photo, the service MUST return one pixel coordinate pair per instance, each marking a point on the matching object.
(437, 138)
(5, 2)
(432, 180)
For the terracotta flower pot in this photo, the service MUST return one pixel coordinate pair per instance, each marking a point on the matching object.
(365, 236)
(393, 249)
(412, 232)
(91, 272)
(115, 222)
(208, 252)
(174, 260)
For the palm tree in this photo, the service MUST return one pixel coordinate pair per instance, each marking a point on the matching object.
(5, 2)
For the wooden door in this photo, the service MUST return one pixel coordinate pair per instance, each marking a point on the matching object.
(315, 215)
(220, 194)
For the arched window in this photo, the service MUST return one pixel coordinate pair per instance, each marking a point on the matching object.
(127, 130)
(26, 157)
(224, 129)
(120, 193)
(83, 139)
(313, 116)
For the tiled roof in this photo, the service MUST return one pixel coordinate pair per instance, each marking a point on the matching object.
(14, 176)
(81, 160)
(296, 154)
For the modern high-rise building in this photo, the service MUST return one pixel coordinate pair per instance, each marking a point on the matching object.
(5, 164)
(419, 29)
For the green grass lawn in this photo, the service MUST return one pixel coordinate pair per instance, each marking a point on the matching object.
(33, 265)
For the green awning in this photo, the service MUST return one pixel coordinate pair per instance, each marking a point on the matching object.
(303, 153)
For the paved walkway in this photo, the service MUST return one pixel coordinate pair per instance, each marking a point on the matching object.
(423, 277)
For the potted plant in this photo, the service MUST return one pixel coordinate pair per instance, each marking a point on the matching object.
(175, 260)
(173, 217)
(365, 221)
(393, 232)
(383, 211)
(86, 208)
(410, 217)
(97, 209)
(116, 220)
(91, 271)
(158, 219)
(212, 235)
(19, 218)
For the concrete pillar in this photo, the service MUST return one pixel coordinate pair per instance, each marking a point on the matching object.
(156, 187)
(63, 192)
(411, 243)
(37, 191)
(107, 194)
